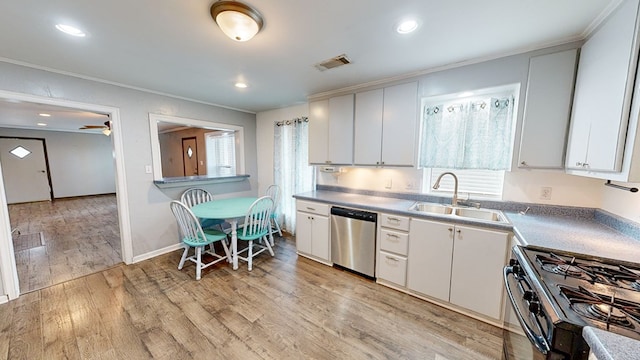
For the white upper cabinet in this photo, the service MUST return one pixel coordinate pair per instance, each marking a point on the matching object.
(603, 97)
(331, 130)
(386, 126)
(367, 148)
(547, 110)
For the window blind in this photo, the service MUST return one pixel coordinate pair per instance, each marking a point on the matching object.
(471, 181)
(221, 153)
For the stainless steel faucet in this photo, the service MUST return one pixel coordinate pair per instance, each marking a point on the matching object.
(454, 200)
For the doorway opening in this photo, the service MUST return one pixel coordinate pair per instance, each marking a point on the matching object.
(85, 227)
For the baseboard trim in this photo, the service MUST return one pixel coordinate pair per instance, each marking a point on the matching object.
(155, 253)
(4, 299)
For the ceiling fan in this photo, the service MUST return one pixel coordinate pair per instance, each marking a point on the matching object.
(106, 128)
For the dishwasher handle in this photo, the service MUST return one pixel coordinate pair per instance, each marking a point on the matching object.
(354, 214)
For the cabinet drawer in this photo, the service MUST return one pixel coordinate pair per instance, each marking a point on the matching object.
(393, 241)
(392, 268)
(312, 207)
(394, 222)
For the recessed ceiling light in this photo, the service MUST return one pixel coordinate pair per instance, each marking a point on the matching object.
(44, 114)
(407, 26)
(241, 85)
(70, 30)
(41, 124)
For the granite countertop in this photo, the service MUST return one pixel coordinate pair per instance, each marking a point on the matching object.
(576, 230)
(575, 234)
(608, 346)
(393, 206)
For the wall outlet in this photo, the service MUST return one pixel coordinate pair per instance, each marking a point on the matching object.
(545, 193)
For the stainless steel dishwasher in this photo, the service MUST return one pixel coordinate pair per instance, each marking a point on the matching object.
(353, 239)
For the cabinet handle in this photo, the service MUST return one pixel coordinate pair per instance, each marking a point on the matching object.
(458, 231)
(310, 208)
(327, 161)
(391, 258)
(581, 164)
(393, 219)
(450, 229)
(393, 236)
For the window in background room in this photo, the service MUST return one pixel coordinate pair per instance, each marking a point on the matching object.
(221, 154)
(470, 134)
(291, 167)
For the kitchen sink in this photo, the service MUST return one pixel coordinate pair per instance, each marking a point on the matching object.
(432, 208)
(461, 212)
(491, 215)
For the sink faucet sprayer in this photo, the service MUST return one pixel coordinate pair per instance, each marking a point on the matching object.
(436, 185)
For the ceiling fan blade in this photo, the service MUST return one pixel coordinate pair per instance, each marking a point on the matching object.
(86, 127)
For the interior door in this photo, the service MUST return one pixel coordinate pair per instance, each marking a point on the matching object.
(26, 177)
(190, 156)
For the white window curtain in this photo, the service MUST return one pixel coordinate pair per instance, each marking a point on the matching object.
(221, 154)
(472, 134)
(291, 168)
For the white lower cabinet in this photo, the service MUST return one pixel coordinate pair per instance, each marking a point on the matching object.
(458, 264)
(312, 230)
(393, 244)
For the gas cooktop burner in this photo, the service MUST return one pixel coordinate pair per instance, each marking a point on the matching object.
(604, 308)
(591, 271)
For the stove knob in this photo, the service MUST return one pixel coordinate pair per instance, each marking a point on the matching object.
(530, 296)
(534, 307)
(513, 262)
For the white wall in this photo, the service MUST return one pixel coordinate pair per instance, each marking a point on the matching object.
(80, 164)
(152, 224)
(620, 202)
(264, 129)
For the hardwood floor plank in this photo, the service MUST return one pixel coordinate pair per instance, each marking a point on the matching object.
(81, 236)
(288, 307)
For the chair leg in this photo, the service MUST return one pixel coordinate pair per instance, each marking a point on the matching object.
(198, 261)
(269, 247)
(184, 257)
(277, 228)
(250, 255)
(226, 250)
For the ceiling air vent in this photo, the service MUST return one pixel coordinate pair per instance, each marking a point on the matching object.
(333, 62)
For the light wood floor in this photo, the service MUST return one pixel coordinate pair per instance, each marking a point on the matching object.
(81, 236)
(288, 307)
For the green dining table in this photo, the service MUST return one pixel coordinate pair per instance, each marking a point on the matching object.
(230, 210)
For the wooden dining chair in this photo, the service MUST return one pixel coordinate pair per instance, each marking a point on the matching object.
(256, 228)
(194, 196)
(193, 236)
(273, 192)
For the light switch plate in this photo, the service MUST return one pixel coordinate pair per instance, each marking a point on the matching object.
(147, 169)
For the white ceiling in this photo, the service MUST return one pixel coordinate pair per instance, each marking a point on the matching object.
(174, 47)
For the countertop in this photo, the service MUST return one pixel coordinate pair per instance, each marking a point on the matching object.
(569, 231)
(392, 206)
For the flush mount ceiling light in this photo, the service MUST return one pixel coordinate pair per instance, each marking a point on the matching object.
(70, 30)
(238, 21)
(407, 26)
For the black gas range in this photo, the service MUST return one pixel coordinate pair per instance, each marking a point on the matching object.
(555, 294)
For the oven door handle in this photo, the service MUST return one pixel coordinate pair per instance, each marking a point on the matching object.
(538, 341)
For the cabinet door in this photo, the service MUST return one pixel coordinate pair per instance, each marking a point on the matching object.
(429, 262)
(303, 232)
(399, 130)
(367, 147)
(476, 274)
(320, 237)
(547, 110)
(340, 150)
(318, 131)
(604, 85)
